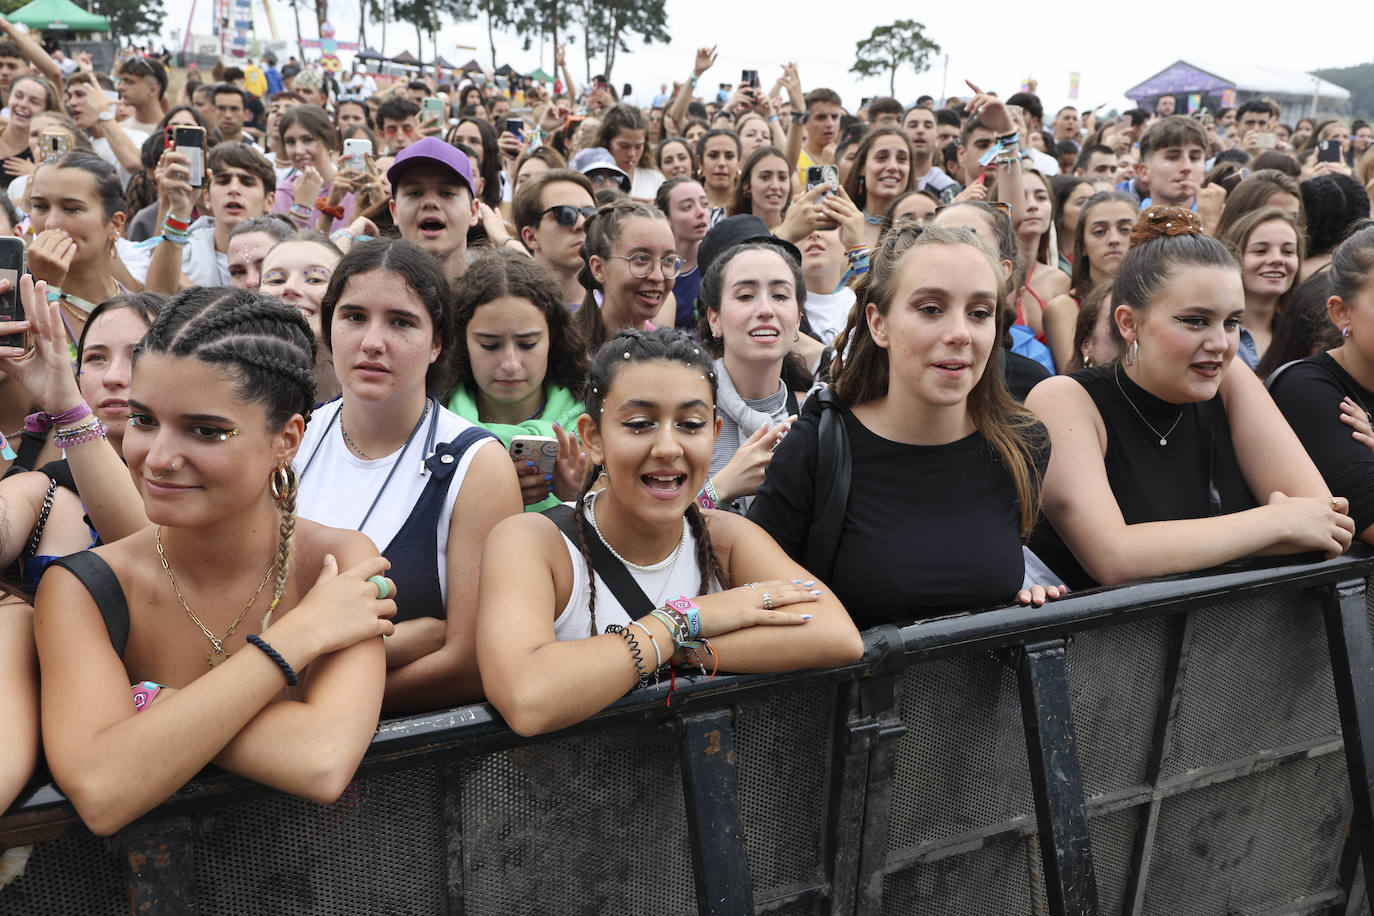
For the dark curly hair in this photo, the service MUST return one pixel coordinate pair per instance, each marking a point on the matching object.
(508, 273)
(1334, 204)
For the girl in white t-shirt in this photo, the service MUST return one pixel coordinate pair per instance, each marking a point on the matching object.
(389, 460)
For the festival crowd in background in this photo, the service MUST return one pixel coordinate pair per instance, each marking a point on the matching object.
(390, 398)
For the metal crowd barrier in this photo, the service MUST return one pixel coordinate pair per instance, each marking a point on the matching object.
(1189, 746)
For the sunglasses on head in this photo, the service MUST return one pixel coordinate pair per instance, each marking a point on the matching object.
(567, 214)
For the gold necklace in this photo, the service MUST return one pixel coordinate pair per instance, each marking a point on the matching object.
(217, 653)
(348, 440)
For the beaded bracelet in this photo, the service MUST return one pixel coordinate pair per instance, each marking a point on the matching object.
(301, 211)
(635, 654)
(658, 655)
(286, 669)
(77, 435)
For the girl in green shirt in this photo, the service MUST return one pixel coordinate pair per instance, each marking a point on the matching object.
(521, 367)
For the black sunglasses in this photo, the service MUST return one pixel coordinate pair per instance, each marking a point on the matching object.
(567, 214)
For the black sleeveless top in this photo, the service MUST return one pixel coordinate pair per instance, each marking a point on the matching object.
(1195, 475)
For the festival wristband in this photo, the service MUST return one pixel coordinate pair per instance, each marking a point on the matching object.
(144, 693)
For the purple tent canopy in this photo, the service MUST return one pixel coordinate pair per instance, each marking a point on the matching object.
(1179, 78)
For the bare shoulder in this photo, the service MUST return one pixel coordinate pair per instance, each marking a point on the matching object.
(526, 529)
(312, 541)
(1059, 395)
(1062, 303)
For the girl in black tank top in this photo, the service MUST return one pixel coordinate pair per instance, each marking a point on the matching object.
(209, 613)
(1173, 459)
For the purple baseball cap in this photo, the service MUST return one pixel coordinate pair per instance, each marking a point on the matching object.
(432, 149)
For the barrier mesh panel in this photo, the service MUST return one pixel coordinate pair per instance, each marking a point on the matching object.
(1113, 837)
(995, 878)
(569, 825)
(1116, 676)
(379, 850)
(961, 765)
(78, 873)
(1252, 844)
(1269, 689)
(781, 744)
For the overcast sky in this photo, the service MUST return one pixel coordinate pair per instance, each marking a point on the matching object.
(1108, 43)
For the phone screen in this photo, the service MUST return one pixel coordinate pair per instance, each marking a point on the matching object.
(195, 159)
(10, 308)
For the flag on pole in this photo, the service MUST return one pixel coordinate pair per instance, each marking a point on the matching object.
(1073, 84)
(1194, 102)
(1228, 98)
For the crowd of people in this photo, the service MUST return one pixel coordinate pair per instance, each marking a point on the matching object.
(337, 401)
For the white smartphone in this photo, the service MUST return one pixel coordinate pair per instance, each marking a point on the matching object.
(355, 150)
(542, 450)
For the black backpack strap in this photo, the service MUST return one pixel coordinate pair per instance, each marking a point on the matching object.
(95, 574)
(611, 570)
(834, 468)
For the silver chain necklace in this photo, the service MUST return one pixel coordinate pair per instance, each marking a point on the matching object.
(1163, 437)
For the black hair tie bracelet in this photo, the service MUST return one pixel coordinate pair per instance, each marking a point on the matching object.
(273, 654)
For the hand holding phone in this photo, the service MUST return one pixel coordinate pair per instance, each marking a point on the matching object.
(1329, 150)
(11, 267)
(541, 450)
(190, 142)
(356, 150)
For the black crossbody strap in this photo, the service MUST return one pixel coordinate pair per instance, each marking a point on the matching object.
(611, 570)
(831, 494)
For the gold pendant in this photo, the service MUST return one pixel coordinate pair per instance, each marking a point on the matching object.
(216, 658)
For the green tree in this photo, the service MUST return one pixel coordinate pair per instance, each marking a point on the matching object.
(1359, 80)
(890, 47)
(131, 18)
(606, 25)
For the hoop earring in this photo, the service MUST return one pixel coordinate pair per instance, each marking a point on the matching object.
(1132, 354)
(283, 483)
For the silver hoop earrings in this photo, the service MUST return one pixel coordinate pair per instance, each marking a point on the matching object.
(1132, 353)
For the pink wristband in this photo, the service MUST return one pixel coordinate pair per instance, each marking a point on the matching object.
(42, 421)
(144, 693)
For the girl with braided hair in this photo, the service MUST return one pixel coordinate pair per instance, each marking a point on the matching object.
(425, 484)
(284, 687)
(557, 644)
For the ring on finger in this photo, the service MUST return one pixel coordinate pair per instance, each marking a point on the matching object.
(753, 585)
(767, 602)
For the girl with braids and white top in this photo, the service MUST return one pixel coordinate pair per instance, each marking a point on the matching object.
(389, 460)
(555, 643)
(284, 687)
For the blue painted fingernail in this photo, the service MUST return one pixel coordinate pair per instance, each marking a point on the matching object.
(796, 582)
(806, 616)
(818, 593)
(548, 477)
(812, 582)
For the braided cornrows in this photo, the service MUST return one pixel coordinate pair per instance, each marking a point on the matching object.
(707, 561)
(268, 347)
